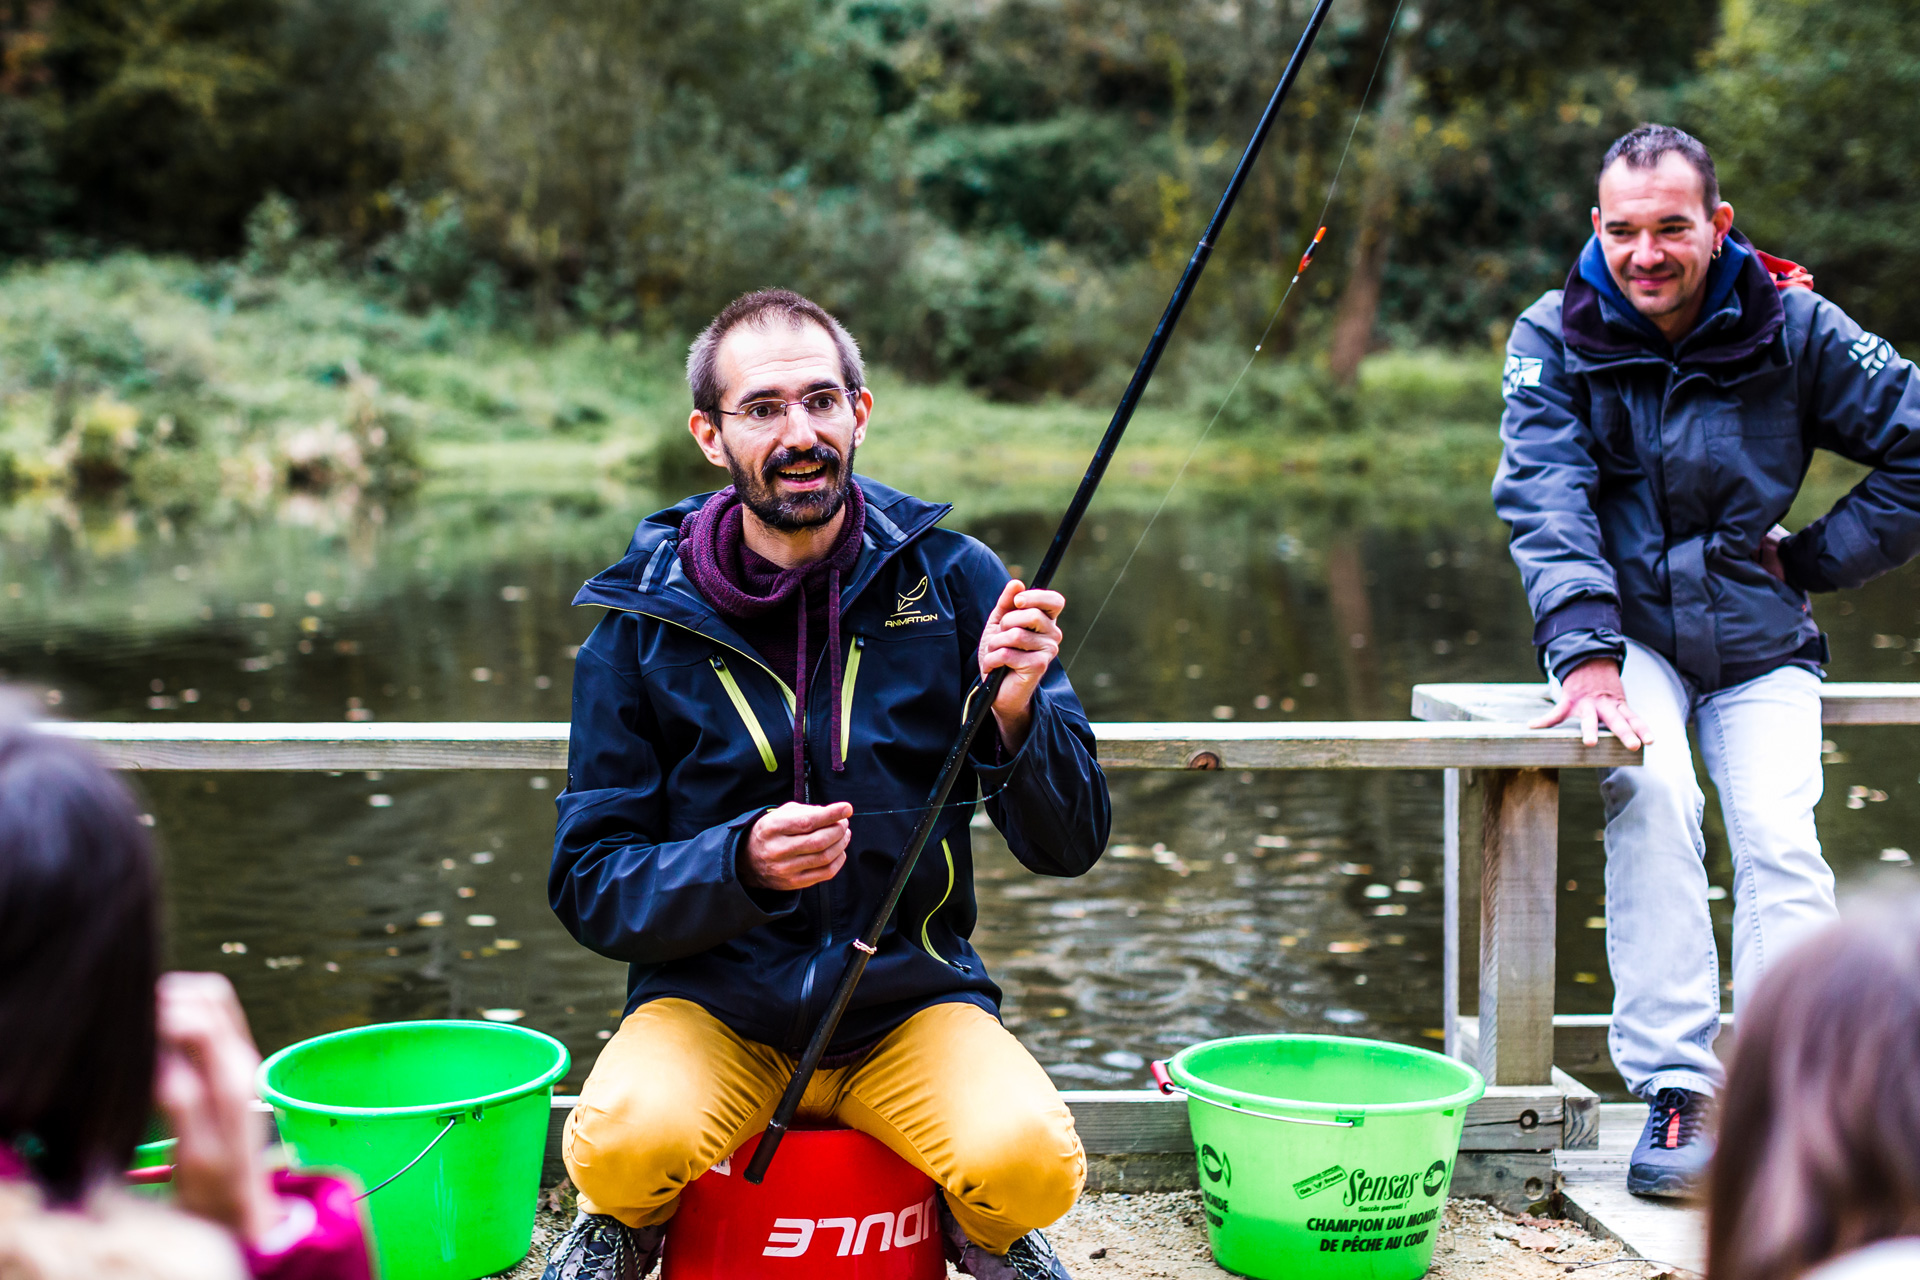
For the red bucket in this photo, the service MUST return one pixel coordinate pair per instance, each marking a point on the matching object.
(836, 1205)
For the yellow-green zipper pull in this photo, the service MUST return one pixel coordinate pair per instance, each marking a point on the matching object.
(851, 674)
(739, 699)
(925, 941)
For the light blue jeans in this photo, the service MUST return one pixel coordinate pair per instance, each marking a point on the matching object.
(1761, 744)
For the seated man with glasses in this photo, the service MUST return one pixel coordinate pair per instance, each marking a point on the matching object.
(757, 721)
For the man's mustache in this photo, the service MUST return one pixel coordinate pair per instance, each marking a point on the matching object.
(823, 455)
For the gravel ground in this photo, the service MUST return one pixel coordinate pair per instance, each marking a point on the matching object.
(1164, 1236)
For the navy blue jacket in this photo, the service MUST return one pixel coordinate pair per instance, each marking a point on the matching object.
(1639, 478)
(680, 743)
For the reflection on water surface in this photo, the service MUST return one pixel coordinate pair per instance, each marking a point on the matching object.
(1229, 903)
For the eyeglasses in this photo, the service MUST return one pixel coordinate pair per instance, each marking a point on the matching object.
(823, 404)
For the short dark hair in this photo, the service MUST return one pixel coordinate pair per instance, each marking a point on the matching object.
(79, 956)
(1819, 1143)
(758, 309)
(1643, 148)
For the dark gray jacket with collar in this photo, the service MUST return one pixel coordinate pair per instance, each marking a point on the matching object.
(1639, 479)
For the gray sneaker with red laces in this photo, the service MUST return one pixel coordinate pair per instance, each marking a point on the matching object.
(1671, 1157)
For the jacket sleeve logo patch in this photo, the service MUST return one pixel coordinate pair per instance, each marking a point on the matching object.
(1521, 371)
(1871, 353)
(906, 610)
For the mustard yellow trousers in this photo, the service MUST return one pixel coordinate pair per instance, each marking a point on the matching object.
(950, 1090)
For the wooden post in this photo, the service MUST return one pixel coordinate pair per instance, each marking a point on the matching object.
(1460, 984)
(1517, 903)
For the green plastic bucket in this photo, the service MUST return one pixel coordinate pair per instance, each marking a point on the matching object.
(1322, 1157)
(444, 1122)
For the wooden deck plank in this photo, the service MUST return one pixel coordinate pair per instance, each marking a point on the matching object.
(542, 745)
(1593, 1189)
(1145, 1121)
(1855, 702)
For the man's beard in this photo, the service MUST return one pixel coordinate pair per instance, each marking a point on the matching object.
(800, 510)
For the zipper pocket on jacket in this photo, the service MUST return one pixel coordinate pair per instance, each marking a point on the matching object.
(925, 941)
(740, 704)
(846, 692)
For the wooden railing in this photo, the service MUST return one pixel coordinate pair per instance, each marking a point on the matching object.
(1511, 816)
(1501, 798)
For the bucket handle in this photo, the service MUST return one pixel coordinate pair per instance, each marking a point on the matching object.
(392, 1178)
(1168, 1087)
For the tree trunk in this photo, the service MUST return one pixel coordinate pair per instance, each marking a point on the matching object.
(1379, 201)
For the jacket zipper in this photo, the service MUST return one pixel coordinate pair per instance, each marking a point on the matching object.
(846, 693)
(739, 700)
(925, 941)
(740, 704)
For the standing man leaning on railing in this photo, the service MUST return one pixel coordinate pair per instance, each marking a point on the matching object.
(1660, 413)
(757, 722)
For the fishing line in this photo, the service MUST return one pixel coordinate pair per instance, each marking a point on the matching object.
(1306, 260)
(921, 808)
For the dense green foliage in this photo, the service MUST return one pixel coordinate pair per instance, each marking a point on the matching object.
(999, 191)
(1816, 110)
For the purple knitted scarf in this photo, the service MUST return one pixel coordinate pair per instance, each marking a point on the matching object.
(713, 548)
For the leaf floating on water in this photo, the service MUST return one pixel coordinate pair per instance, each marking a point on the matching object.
(285, 962)
(506, 944)
(1345, 1017)
(1129, 851)
(1390, 909)
(380, 802)
(233, 948)
(481, 922)
(1896, 855)
(1356, 868)
(503, 1015)
(1377, 891)
(430, 919)
(1272, 842)
(1596, 922)
(480, 859)
(1408, 886)
(1349, 947)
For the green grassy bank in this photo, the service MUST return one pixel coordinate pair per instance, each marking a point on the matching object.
(178, 385)
(203, 391)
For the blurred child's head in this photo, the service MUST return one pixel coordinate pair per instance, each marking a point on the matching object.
(78, 961)
(1819, 1147)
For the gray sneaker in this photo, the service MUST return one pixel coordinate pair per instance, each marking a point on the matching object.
(1030, 1257)
(1670, 1160)
(599, 1247)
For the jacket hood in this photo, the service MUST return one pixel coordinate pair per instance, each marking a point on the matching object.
(893, 520)
(1741, 318)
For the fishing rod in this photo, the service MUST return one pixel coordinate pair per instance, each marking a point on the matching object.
(985, 689)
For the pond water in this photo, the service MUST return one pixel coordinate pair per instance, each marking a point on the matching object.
(1230, 903)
